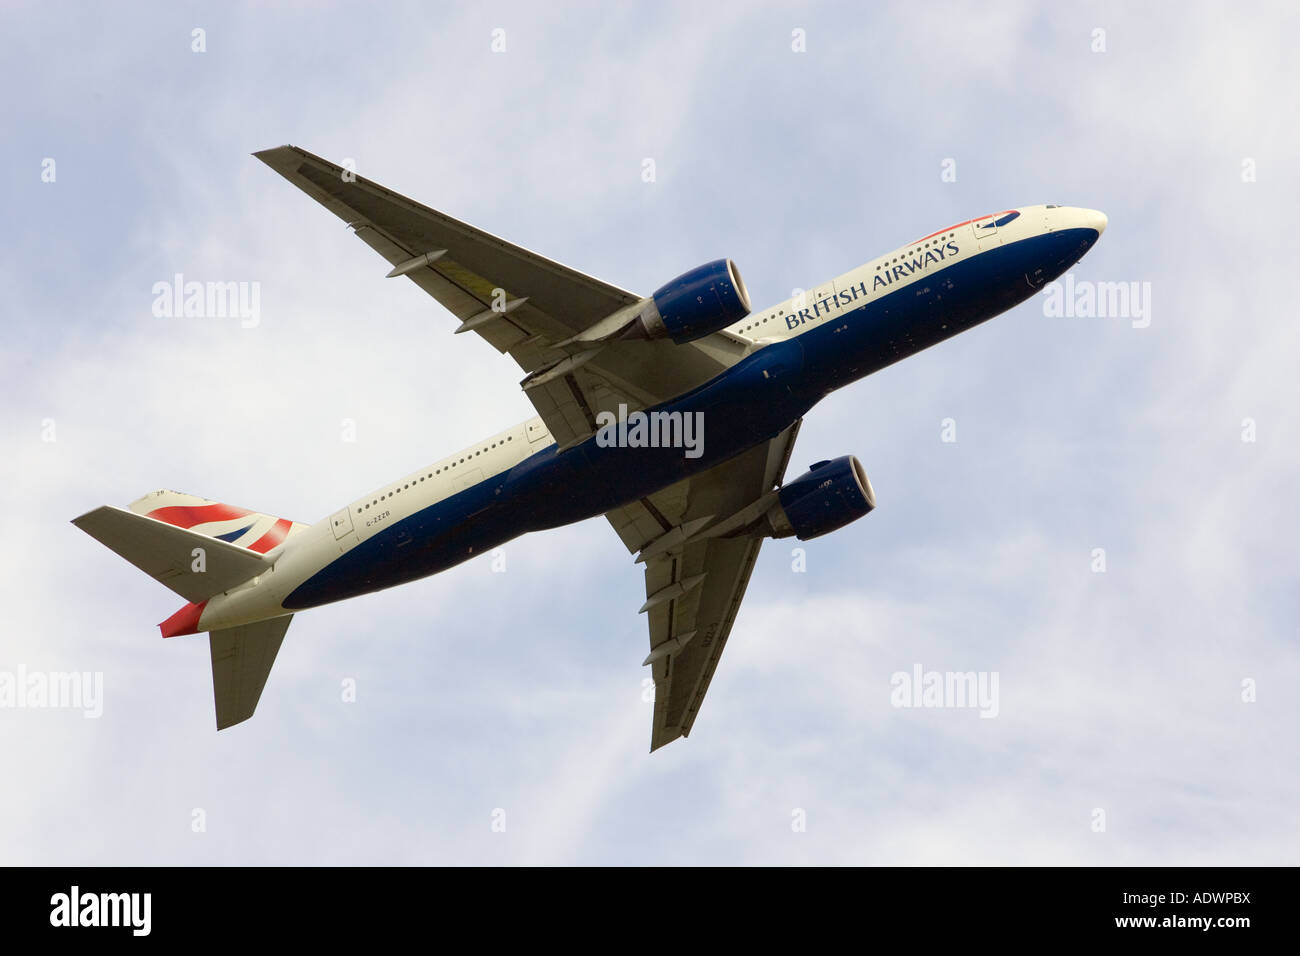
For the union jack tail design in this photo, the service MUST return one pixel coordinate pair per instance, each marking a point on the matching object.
(239, 526)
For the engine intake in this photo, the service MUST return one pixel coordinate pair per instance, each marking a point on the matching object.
(824, 499)
(697, 303)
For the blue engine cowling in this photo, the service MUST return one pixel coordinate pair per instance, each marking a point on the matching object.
(825, 499)
(699, 302)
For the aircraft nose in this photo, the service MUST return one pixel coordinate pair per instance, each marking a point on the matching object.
(1092, 219)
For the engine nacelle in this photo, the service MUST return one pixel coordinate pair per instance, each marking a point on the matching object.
(829, 496)
(697, 303)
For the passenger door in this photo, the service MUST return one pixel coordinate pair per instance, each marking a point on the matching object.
(985, 231)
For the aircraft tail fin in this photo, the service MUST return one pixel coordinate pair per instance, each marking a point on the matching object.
(195, 566)
(200, 548)
(252, 530)
(196, 546)
(241, 661)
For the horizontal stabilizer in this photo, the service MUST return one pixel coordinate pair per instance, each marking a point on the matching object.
(241, 661)
(193, 565)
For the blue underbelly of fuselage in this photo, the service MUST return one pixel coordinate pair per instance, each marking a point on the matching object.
(749, 403)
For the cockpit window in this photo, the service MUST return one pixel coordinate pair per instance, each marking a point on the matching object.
(1051, 205)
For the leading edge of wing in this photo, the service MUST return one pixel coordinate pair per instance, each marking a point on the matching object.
(288, 159)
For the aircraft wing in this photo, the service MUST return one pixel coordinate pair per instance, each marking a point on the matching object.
(521, 303)
(694, 589)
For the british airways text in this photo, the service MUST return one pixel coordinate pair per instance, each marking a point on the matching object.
(883, 279)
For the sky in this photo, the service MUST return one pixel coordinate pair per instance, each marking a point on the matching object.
(1110, 535)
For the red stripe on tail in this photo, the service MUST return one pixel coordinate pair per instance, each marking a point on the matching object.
(273, 537)
(187, 516)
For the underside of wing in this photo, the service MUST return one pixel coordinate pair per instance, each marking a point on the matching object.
(694, 626)
(464, 268)
(695, 583)
(522, 303)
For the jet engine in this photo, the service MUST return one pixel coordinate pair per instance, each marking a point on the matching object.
(696, 303)
(824, 499)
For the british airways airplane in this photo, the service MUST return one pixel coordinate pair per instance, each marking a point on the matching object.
(673, 415)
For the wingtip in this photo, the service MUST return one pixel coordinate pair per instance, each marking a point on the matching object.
(664, 737)
(81, 520)
(265, 155)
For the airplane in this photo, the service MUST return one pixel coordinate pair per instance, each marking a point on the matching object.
(595, 357)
